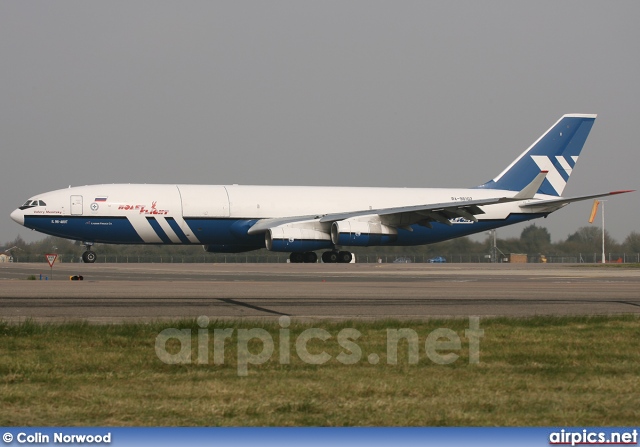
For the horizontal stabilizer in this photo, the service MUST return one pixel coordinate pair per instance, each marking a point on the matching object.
(554, 204)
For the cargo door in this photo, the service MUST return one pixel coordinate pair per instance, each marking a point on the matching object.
(204, 201)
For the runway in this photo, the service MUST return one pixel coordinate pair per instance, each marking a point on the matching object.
(112, 293)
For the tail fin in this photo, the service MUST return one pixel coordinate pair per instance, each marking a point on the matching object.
(556, 151)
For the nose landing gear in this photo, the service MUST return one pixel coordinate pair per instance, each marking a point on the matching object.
(89, 257)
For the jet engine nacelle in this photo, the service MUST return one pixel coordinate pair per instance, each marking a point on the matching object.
(296, 239)
(362, 233)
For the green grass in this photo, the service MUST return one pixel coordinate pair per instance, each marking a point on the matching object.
(538, 371)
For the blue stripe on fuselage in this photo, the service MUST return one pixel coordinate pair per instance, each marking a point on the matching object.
(217, 231)
(227, 231)
(108, 230)
(441, 232)
(158, 229)
(177, 230)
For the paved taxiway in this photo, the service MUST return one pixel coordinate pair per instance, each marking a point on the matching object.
(134, 292)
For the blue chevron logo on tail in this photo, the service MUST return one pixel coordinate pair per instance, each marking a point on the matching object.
(556, 151)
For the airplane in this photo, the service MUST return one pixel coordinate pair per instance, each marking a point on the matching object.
(303, 220)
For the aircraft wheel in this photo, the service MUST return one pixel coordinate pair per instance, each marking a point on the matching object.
(89, 257)
(330, 257)
(310, 257)
(345, 257)
(296, 257)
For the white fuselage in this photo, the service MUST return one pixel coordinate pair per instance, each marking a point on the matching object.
(206, 214)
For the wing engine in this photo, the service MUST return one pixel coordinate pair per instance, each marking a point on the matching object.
(298, 236)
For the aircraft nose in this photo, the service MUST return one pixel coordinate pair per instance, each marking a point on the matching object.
(18, 216)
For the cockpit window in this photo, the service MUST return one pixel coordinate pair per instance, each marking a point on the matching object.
(32, 203)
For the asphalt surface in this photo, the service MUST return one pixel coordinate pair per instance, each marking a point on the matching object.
(112, 293)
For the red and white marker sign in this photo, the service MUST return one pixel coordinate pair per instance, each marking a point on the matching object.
(51, 258)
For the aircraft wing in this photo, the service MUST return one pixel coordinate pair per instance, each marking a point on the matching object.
(402, 216)
(554, 204)
(264, 224)
(439, 212)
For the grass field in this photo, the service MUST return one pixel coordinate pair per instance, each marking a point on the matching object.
(531, 372)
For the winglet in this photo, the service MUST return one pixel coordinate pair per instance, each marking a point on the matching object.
(532, 188)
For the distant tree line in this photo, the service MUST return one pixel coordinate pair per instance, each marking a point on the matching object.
(533, 240)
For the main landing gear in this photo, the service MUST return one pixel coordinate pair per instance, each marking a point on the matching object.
(328, 257)
(89, 257)
(308, 257)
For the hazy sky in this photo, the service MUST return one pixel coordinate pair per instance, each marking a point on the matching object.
(354, 93)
